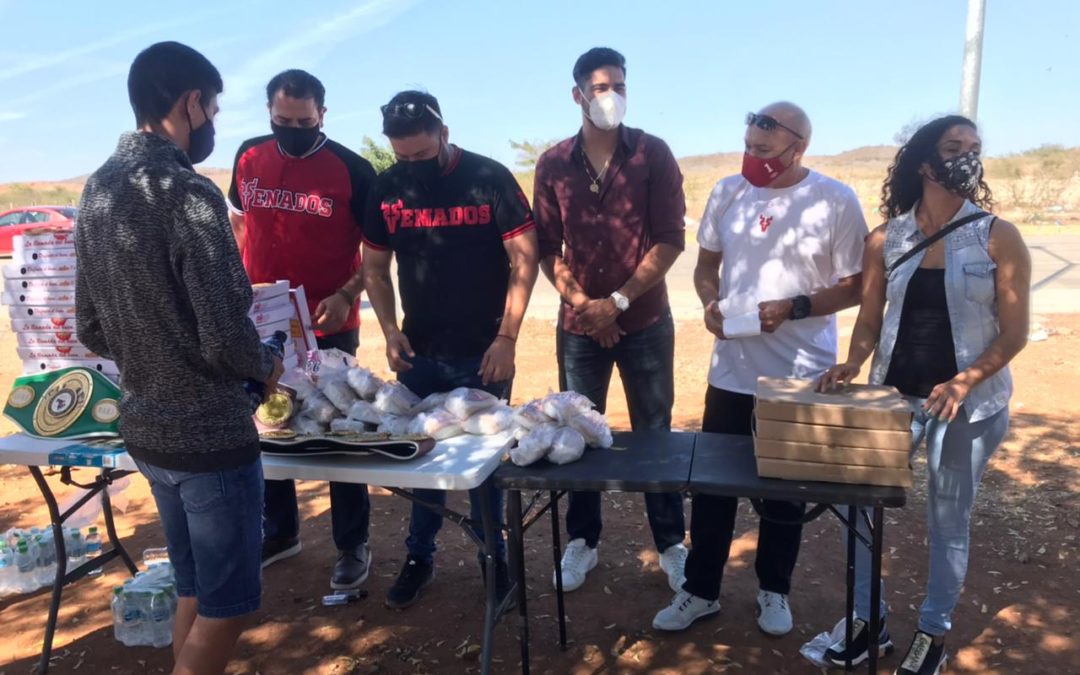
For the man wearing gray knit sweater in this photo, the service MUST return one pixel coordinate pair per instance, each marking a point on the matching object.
(160, 289)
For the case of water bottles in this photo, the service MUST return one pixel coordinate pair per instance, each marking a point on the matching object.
(144, 608)
(28, 557)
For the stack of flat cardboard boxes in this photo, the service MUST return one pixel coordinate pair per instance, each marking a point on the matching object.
(857, 434)
(275, 307)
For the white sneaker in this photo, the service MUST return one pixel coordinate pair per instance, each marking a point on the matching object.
(577, 561)
(685, 609)
(775, 617)
(673, 562)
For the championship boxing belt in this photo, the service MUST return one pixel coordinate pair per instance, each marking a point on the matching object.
(290, 444)
(68, 403)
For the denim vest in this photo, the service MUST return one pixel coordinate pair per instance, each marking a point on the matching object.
(969, 292)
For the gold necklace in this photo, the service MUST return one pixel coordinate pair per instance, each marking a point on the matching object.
(594, 187)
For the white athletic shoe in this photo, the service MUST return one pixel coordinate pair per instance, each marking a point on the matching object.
(685, 609)
(775, 617)
(673, 562)
(577, 561)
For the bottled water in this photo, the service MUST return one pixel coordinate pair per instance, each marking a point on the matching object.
(46, 562)
(93, 548)
(26, 565)
(7, 569)
(76, 549)
(161, 620)
(153, 556)
(119, 624)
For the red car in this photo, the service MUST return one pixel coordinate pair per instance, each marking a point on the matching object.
(19, 220)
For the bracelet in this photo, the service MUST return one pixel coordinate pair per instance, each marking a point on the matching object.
(513, 340)
(345, 294)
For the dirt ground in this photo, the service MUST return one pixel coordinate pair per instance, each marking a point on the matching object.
(1018, 613)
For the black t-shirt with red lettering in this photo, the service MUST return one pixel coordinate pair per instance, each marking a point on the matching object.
(449, 239)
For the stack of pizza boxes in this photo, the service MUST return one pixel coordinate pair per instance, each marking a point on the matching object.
(856, 434)
(39, 292)
(275, 307)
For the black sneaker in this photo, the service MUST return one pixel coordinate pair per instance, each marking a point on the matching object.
(274, 550)
(351, 568)
(923, 656)
(414, 577)
(859, 649)
(502, 580)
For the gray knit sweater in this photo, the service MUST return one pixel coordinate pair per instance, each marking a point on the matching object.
(161, 289)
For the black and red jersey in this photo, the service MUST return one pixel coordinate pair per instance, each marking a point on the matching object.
(302, 215)
(448, 238)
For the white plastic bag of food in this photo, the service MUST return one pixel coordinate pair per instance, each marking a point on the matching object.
(394, 398)
(335, 386)
(365, 383)
(464, 402)
(593, 427)
(566, 404)
(319, 409)
(430, 403)
(531, 415)
(438, 424)
(362, 411)
(489, 422)
(305, 426)
(395, 425)
(534, 445)
(299, 381)
(567, 446)
(348, 426)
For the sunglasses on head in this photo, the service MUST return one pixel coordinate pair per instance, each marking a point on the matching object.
(766, 123)
(409, 111)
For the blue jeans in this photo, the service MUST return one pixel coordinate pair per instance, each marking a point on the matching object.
(957, 453)
(429, 376)
(212, 524)
(646, 361)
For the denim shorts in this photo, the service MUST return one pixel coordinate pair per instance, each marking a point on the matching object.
(213, 529)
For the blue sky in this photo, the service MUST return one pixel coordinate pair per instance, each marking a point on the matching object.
(501, 69)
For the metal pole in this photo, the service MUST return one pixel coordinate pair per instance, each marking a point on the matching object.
(969, 85)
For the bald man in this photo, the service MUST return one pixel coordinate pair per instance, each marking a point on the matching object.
(790, 242)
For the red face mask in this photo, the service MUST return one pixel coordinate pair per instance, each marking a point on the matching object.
(760, 171)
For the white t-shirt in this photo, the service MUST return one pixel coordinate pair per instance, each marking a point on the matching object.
(778, 244)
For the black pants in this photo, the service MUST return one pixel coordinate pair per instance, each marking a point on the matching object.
(712, 523)
(350, 507)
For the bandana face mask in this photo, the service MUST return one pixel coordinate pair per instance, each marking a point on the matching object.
(960, 174)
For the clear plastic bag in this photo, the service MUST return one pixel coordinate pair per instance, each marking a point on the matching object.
(567, 446)
(298, 380)
(335, 387)
(318, 408)
(438, 424)
(531, 415)
(305, 426)
(348, 426)
(534, 445)
(489, 422)
(363, 411)
(395, 425)
(394, 398)
(430, 403)
(564, 405)
(593, 427)
(814, 650)
(464, 402)
(365, 383)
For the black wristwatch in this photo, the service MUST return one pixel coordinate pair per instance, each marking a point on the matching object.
(800, 307)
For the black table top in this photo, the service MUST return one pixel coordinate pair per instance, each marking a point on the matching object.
(725, 465)
(640, 461)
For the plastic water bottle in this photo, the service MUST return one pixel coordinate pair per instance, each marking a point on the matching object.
(93, 548)
(133, 617)
(26, 566)
(46, 562)
(76, 549)
(7, 569)
(153, 556)
(257, 390)
(119, 625)
(161, 620)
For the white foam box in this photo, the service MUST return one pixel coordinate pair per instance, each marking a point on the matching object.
(40, 298)
(43, 324)
(264, 292)
(284, 313)
(27, 312)
(103, 366)
(55, 352)
(64, 338)
(19, 270)
(51, 256)
(43, 238)
(43, 285)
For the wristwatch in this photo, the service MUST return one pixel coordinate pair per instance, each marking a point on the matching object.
(622, 303)
(800, 307)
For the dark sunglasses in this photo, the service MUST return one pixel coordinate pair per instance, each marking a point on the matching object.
(766, 123)
(409, 111)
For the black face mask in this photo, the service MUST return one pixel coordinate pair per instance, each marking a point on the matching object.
(426, 171)
(960, 174)
(296, 141)
(201, 140)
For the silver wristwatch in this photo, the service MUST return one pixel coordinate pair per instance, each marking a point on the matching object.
(622, 303)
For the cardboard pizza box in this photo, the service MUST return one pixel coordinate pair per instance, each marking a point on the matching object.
(59, 338)
(43, 324)
(40, 298)
(833, 473)
(837, 436)
(43, 238)
(44, 353)
(270, 304)
(42, 285)
(859, 406)
(831, 454)
(46, 256)
(268, 291)
(28, 312)
(284, 313)
(36, 270)
(103, 366)
(302, 332)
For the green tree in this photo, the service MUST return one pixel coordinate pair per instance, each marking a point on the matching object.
(529, 152)
(380, 156)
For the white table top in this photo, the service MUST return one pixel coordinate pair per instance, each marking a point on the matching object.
(460, 463)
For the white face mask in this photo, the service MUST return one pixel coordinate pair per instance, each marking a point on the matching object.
(607, 110)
